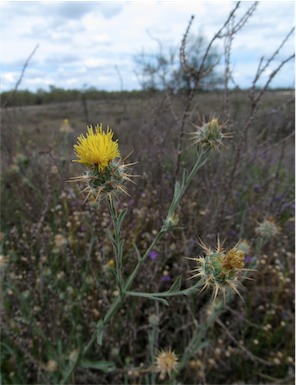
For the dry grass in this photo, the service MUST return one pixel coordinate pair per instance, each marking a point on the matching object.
(56, 277)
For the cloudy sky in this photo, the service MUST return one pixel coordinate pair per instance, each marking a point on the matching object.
(94, 43)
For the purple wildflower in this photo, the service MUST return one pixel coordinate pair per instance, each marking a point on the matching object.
(165, 278)
(153, 254)
(248, 259)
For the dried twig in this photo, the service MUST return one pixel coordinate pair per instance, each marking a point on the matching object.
(231, 30)
(242, 142)
(241, 347)
(187, 70)
(11, 96)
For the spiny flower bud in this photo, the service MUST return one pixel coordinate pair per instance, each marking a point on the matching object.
(171, 221)
(267, 229)
(209, 135)
(219, 269)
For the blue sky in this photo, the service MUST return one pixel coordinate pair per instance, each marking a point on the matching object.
(84, 43)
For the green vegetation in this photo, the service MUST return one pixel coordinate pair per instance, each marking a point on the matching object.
(58, 95)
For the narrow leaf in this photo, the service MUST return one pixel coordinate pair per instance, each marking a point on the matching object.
(120, 247)
(137, 252)
(100, 332)
(162, 300)
(110, 236)
(191, 290)
(184, 176)
(177, 189)
(105, 366)
(121, 217)
(68, 372)
(176, 285)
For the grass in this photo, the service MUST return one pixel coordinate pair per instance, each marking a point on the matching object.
(56, 261)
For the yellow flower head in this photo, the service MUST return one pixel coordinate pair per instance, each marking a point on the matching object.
(166, 362)
(111, 263)
(97, 149)
(106, 175)
(233, 259)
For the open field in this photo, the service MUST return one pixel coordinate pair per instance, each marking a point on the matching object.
(57, 262)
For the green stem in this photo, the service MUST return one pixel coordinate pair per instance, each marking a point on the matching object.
(167, 293)
(140, 261)
(176, 199)
(116, 243)
(180, 189)
(116, 305)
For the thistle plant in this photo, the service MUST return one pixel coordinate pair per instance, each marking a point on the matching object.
(50, 302)
(220, 269)
(105, 179)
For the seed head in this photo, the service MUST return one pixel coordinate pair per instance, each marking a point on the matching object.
(59, 241)
(166, 362)
(51, 366)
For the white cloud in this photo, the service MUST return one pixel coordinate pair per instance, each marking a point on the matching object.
(95, 63)
(102, 38)
(9, 77)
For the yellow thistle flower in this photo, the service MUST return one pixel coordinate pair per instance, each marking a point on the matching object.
(106, 175)
(111, 263)
(166, 362)
(65, 127)
(97, 148)
(233, 260)
(219, 269)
